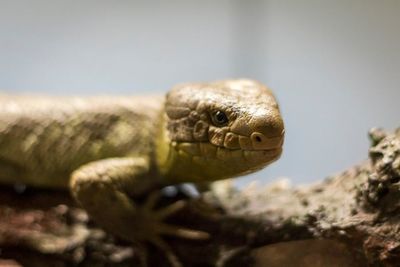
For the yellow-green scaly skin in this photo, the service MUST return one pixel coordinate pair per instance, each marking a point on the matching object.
(109, 150)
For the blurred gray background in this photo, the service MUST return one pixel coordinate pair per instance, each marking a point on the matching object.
(334, 65)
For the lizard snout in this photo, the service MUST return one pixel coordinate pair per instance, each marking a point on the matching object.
(268, 133)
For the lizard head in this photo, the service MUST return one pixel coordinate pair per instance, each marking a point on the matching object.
(222, 129)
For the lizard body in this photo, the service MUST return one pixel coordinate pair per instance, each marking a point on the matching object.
(109, 150)
(44, 139)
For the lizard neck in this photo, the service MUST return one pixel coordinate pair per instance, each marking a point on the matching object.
(174, 167)
(163, 147)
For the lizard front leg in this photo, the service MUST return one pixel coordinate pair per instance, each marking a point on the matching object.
(104, 187)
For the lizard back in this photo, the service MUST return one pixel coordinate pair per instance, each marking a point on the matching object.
(43, 139)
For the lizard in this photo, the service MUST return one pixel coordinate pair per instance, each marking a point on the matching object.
(109, 150)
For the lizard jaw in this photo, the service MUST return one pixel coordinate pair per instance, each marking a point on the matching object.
(223, 162)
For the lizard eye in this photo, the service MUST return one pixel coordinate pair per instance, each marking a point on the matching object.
(219, 118)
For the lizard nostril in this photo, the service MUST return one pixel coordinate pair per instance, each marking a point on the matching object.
(257, 139)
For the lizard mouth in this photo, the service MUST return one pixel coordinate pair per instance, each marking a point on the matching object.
(255, 155)
(208, 151)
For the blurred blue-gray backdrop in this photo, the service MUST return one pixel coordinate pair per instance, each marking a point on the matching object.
(334, 65)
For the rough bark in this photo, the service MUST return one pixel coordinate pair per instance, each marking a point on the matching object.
(352, 219)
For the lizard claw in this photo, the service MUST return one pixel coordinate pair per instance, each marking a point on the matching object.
(178, 231)
(170, 209)
(163, 246)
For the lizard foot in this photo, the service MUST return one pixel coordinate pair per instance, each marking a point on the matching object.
(159, 228)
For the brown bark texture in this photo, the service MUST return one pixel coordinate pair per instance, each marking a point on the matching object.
(351, 219)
